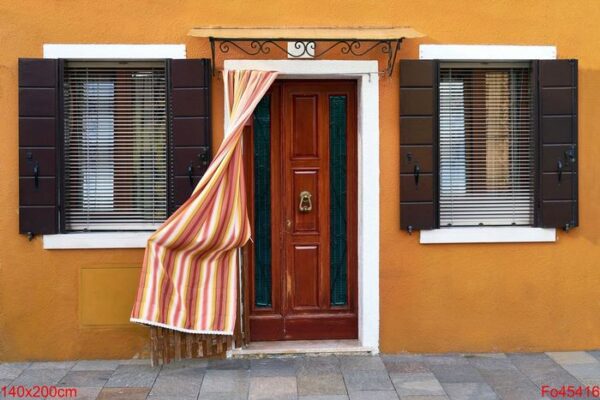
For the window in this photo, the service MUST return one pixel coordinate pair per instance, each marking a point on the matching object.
(115, 145)
(486, 145)
(490, 143)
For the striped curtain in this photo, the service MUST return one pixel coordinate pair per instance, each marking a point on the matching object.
(189, 275)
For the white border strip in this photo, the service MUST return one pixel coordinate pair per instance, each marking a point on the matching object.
(366, 74)
(198, 331)
(114, 51)
(485, 52)
(97, 240)
(488, 235)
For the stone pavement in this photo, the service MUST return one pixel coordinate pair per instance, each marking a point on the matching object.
(405, 377)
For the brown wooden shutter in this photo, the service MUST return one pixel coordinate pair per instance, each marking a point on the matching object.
(418, 148)
(557, 164)
(189, 127)
(38, 138)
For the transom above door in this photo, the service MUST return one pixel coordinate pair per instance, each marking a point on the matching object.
(301, 178)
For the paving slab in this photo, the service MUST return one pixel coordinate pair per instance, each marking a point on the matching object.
(275, 366)
(361, 363)
(318, 365)
(370, 380)
(418, 397)
(403, 365)
(87, 393)
(271, 387)
(506, 378)
(417, 384)
(96, 365)
(572, 357)
(12, 370)
(85, 378)
(40, 377)
(595, 354)
(235, 383)
(222, 396)
(374, 395)
(325, 397)
(193, 373)
(321, 384)
(542, 370)
(232, 363)
(133, 376)
(587, 374)
(123, 394)
(176, 387)
(447, 359)
(486, 363)
(53, 365)
(469, 391)
(518, 393)
(456, 373)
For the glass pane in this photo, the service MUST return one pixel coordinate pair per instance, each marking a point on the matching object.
(115, 146)
(262, 203)
(486, 147)
(338, 208)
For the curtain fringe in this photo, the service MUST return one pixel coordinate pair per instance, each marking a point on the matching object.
(168, 345)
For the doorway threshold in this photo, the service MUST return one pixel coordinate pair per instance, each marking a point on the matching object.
(301, 347)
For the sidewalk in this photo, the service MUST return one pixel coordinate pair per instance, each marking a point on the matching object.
(405, 377)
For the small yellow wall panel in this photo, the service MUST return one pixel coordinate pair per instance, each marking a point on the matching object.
(106, 295)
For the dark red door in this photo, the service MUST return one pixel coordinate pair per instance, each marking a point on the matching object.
(303, 277)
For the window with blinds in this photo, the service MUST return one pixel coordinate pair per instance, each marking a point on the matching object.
(486, 146)
(115, 145)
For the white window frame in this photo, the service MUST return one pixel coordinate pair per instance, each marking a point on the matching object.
(367, 77)
(454, 52)
(107, 240)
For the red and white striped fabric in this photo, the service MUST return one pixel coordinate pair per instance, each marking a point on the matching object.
(189, 276)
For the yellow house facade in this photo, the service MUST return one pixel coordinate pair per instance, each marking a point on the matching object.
(531, 287)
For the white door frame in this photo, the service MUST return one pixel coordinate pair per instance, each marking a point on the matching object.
(366, 75)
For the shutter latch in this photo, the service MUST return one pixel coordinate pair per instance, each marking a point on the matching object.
(417, 172)
(559, 167)
(190, 172)
(36, 174)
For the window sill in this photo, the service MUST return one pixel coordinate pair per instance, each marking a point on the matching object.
(488, 235)
(97, 240)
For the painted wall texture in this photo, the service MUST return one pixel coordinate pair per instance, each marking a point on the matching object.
(64, 304)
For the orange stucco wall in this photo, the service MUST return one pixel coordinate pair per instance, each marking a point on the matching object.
(509, 297)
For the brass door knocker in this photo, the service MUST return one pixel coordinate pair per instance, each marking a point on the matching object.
(305, 202)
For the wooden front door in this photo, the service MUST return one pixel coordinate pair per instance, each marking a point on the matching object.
(301, 173)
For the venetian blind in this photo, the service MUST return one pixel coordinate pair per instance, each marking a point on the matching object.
(115, 145)
(486, 145)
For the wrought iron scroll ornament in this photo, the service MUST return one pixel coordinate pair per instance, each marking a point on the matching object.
(307, 47)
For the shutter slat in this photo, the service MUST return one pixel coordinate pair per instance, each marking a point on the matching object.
(38, 122)
(115, 145)
(189, 126)
(418, 133)
(558, 128)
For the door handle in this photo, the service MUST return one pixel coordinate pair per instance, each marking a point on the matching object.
(305, 202)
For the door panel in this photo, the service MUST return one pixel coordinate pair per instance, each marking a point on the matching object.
(304, 129)
(305, 278)
(312, 213)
